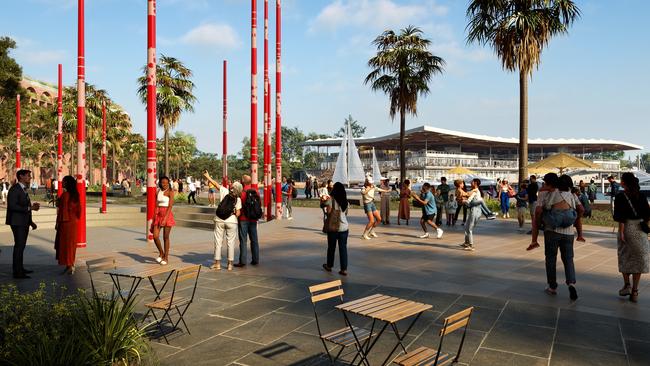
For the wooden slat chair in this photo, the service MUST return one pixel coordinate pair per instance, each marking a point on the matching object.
(425, 356)
(175, 302)
(343, 337)
(103, 265)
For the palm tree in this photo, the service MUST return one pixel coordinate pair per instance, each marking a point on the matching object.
(174, 95)
(518, 31)
(402, 69)
(94, 99)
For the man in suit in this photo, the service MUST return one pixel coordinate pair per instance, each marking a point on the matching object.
(19, 216)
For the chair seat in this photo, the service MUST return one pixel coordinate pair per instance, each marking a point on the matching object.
(423, 356)
(344, 336)
(166, 303)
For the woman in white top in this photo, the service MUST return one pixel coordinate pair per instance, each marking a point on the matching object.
(338, 202)
(5, 191)
(369, 207)
(163, 218)
(225, 223)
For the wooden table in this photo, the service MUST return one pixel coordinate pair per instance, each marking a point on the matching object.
(137, 273)
(386, 309)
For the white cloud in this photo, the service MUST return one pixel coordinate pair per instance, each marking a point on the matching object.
(212, 34)
(376, 14)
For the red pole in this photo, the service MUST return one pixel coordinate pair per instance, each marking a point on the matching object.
(278, 110)
(59, 136)
(151, 115)
(17, 131)
(103, 158)
(267, 116)
(224, 156)
(81, 126)
(269, 165)
(254, 92)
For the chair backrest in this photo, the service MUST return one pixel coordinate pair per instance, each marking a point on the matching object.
(184, 274)
(453, 323)
(324, 291)
(101, 264)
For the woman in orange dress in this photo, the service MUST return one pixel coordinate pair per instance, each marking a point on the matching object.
(67, 217)
(404, 211)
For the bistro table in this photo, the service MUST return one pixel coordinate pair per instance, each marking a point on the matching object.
(137, 273)
(382, 308)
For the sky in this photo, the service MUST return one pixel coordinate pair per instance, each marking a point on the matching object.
(592, 83)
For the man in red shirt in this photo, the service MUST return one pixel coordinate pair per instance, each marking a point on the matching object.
(247, 230)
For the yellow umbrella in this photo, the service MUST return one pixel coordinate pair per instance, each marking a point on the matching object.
(561, 162)
(459, 170)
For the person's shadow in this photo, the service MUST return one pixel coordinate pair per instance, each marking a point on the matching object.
(139, 258)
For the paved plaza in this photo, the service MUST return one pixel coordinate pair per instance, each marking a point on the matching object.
(262, 315)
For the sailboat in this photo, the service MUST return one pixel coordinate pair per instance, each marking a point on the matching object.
(376, 173)
(349, 168)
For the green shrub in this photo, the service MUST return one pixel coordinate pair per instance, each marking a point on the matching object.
(180, 197)
(48, 327)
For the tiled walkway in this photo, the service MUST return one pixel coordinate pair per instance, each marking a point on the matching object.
(262, 316)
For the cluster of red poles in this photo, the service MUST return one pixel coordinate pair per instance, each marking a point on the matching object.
(151, 120)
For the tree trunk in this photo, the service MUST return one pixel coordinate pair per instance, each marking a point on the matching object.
(73, 156)
(523, 125)
(166, 151)
(91, 166)
(114, 164)
(402, 150)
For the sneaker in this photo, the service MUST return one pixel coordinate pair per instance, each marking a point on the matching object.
(365, 236)
(469, 247)
(550, 291)
(573, 294)
(159, 259)
(424, 236)
(373, 234)
(230, 265)
(439, 233)
(492, 217)
(464, 245)
(290, 218)
(216, 266)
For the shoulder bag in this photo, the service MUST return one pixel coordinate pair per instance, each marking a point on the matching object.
(332, 219)
(644, 225)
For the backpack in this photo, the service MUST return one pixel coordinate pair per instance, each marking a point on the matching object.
(226, 207)
(294, 192)
(559, 217)
(252, 207)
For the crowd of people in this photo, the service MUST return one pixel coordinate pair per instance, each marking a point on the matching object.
(556, 208)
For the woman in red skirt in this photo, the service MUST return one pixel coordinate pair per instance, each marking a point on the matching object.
(67, 216)
(163, 218)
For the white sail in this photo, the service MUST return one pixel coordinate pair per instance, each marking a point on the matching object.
(376, 173)
(355, 167)
(341, 169)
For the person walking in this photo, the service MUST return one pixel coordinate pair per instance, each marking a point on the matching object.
(212, 193)
(225, 221)
(522, 205)
(504, 198)
(532, 189)
(308, 188)
(428, 202)
(591, 191)
(384, 202)
(285, 187)
(68, 213)
(461, 194)
(338, 206)
(19, 217)
(452, 206)
(557, 208)
(192, 188)
(324, 197)
(34, 187)
(473, 213)
(289, 195)
(632, 213)
(443, 192)
(163, 219)
(5, 191)
(404, 211)
(250, 213)
(614, 187)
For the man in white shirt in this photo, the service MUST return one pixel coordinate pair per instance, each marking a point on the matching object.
(192, 195)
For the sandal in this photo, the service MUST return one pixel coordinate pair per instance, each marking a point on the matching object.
(625, 291)
(533, 246)
(634, 296)
(550, 291)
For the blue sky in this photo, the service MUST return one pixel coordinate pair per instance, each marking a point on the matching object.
(593, 83)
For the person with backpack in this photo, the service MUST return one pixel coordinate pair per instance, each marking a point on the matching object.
(225, 220)
(558, 210)
(336, 227)
(250, 213)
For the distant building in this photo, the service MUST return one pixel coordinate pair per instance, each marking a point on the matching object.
(39, 92)
(432, 151)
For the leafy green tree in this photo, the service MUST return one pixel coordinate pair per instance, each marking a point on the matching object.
(10, 76)
(402, 69)
(518, 31)
(357, 129)
(174, 95)
(606, 155)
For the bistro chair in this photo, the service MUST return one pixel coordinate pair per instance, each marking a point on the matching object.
(425, 356)
(175, 302)
(102, 265)
(345, 337)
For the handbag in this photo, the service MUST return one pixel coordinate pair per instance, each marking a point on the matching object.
(644, 225)
(332, 219)
(511, 192)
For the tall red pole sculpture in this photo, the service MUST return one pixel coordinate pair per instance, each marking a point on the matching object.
(151, 115)
(224, 156)
(81, 127)
(278, 110)
(267, 117)
(254, 92)
(103, 210)
(17, 131)
(59, 136)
